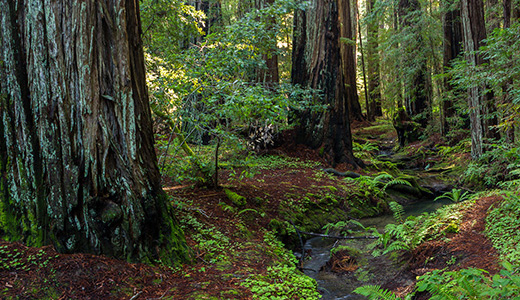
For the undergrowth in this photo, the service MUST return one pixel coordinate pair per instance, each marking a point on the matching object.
(283, 280)
(502, 225)
(410, 233)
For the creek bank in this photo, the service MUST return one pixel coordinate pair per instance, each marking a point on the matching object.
(339, 267)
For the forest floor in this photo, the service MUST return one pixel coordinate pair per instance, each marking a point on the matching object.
(232, 244)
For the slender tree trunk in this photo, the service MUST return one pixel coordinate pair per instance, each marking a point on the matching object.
(348, 59)
(269, 74)
(474, 33)
(374, 90)
(416, 89)
(509, 132)
(77, 158)
(370, 115)
(317, 64)
(452, 49)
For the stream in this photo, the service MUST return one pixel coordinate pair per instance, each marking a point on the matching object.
(372, 270)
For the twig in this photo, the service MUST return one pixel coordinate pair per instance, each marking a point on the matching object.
(136, 295)
(159, 297)
(339, 237)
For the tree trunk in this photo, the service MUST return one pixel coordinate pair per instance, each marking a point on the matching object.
(416, 88)
(317, 64)
(452, 49)
(507, 13)
(77, 158)
(492, 16)
(348, 59)
(373, 65)
(474, 32)
(270, 73)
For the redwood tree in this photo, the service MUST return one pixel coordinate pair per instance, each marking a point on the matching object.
(452, 28)
(417, 92)
(270, 73)
(474, 32)
(77, 161)
(317, 64)
(348, 59)
(373, 64)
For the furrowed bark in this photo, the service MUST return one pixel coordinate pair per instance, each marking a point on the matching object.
(81, 170)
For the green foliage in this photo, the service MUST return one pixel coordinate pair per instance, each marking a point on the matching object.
(415, 230)
(502, 224)
(282, 281)
(398, 211)
(493, 167)
(344, 227)
(364, 151)
(203, 79)
(499, 73)
(456, 195)
(375, 292)
(462, 284)
(14, 260)
(406, 51)
(215, 245)
(471, 284)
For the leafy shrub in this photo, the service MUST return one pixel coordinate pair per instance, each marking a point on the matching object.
(462, 284)
(502, 226)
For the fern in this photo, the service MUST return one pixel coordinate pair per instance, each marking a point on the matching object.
(383, 177)
(456, 195)
(396, 246)
(375, 292)
(396, 182)
(398, 211)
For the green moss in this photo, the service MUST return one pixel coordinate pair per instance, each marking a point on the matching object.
(173, 249)
(235, 198)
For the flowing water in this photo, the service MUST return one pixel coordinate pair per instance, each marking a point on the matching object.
(375, 270)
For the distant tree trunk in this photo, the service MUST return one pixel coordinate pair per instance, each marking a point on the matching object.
(348, 59)
(213, 12)
(452, 49)
(515, 12)
(474, 33)
(492, 17)
(510, 132)
(373, 65)
(76, 155)
(269, 74)
(416, 88)
(507, 13)
(317, 64)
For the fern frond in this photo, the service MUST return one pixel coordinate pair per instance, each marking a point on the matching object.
(396, 182)
(396, 246)
(383, 177)
(357, 223)
(398, 211)
(375, 292)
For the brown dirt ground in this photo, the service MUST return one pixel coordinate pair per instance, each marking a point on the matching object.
(43, 273)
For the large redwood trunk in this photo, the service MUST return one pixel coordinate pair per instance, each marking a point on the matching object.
(77, 157)
(317, 64)
(348, 59)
